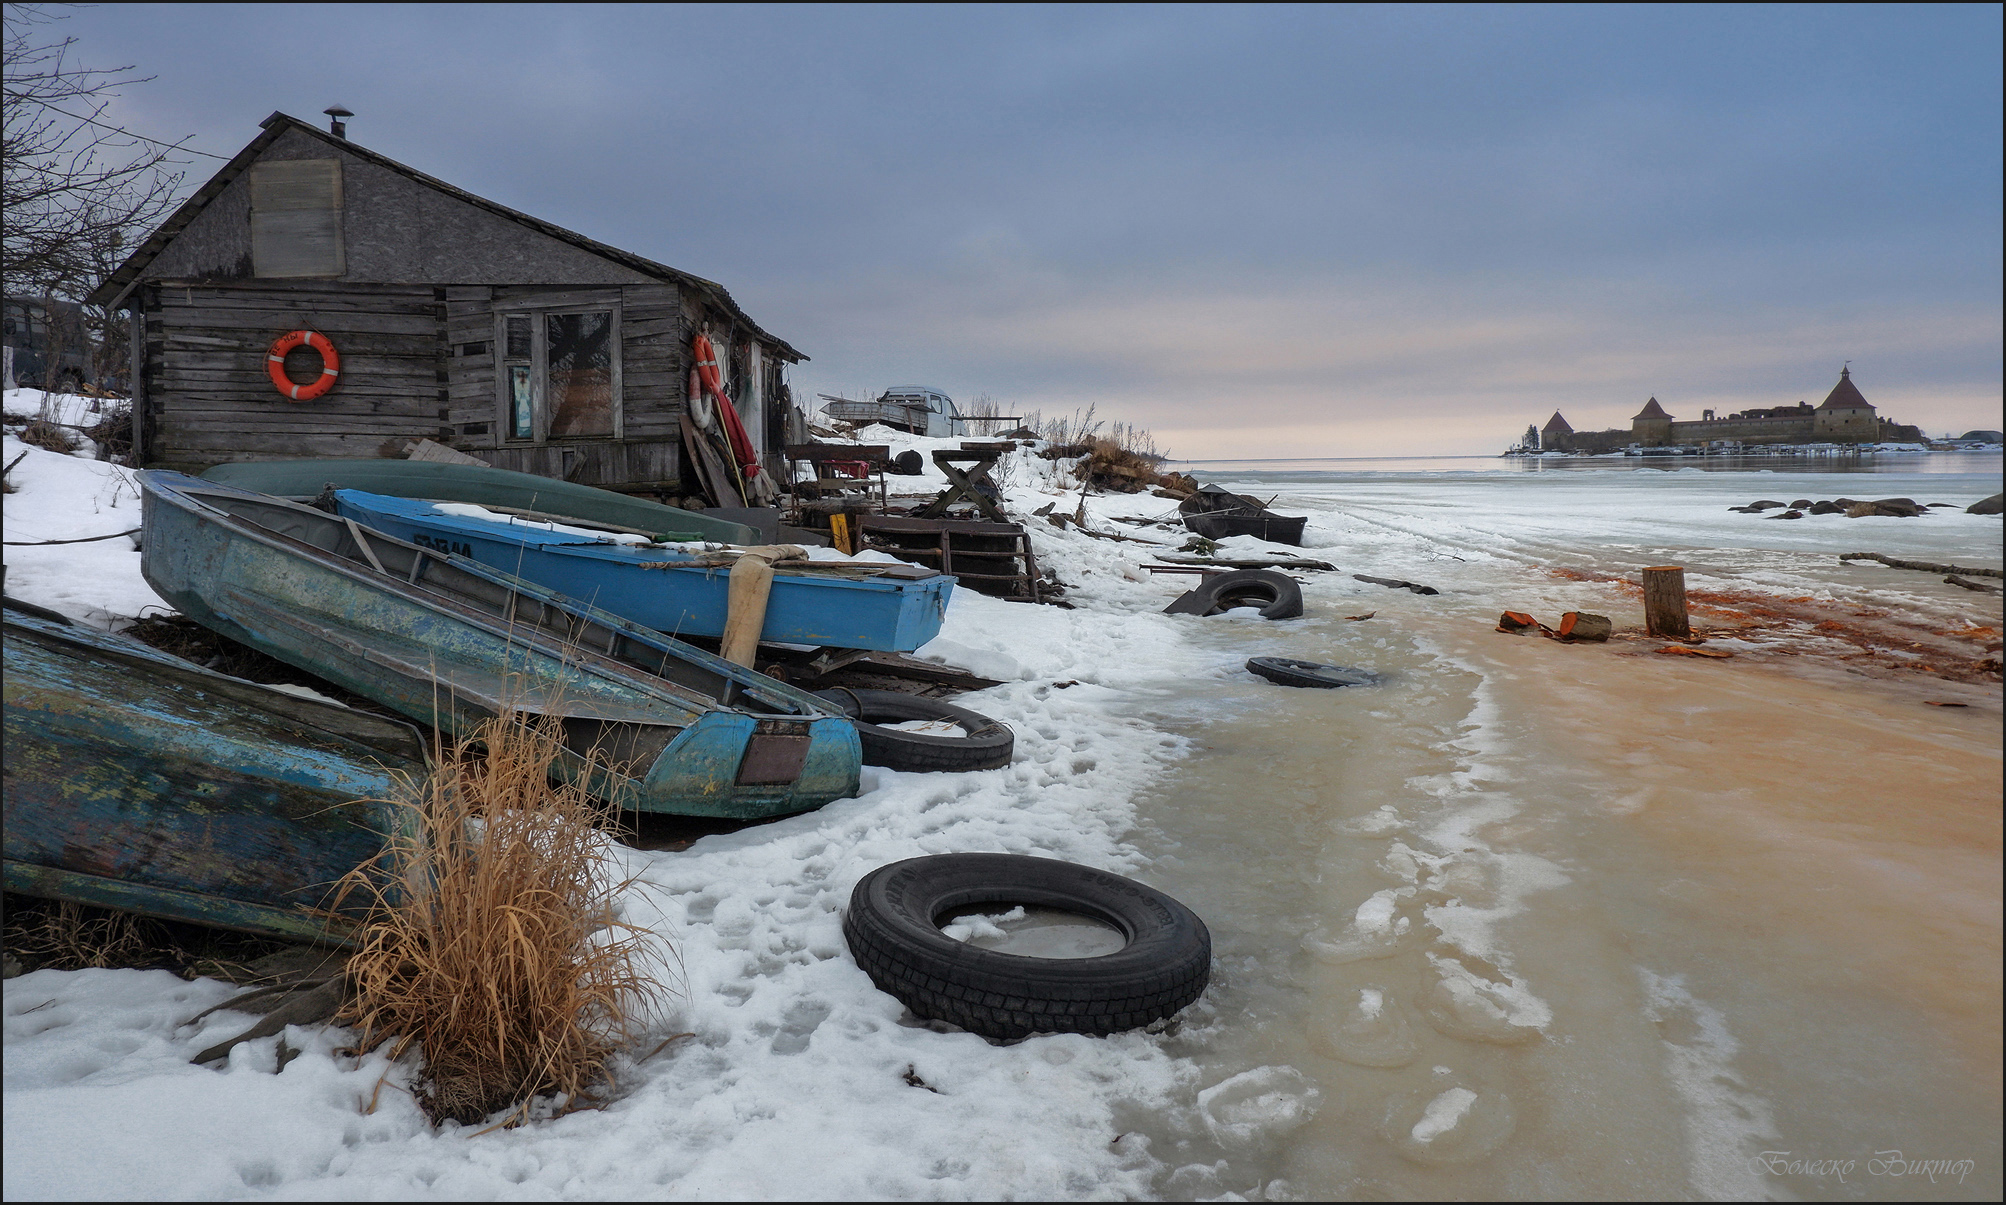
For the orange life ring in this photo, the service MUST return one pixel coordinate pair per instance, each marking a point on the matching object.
(275, 364)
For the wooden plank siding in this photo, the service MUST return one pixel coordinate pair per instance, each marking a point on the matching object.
(417, 362)
(210, 399)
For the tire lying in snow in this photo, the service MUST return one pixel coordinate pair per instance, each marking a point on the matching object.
(1308, 673)
(982, 743)
(893, 930)
(1276, 594)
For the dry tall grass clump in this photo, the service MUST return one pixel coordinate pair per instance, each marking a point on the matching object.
(493, 950)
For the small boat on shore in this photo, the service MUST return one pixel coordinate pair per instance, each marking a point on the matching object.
(496, 489)
(448, 641)
(1216, 514)
(886, 607)
(139, 781)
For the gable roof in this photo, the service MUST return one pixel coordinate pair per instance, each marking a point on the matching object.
(1557, 425)
(1651, 410)
(1846, 395)
(116, 286)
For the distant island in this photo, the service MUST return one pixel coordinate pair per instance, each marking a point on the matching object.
(1845, 417)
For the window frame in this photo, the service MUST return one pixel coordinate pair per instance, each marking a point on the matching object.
(539, 372)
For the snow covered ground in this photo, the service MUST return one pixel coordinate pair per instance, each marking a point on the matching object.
(796, 1082)
(1137, 736)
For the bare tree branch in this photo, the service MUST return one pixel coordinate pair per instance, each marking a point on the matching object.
(79, 190)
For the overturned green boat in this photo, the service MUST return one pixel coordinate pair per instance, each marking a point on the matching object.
(448, 641)
(496, 489)
(138, 781)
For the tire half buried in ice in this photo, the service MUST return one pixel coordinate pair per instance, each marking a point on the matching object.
(1307, 673)
(982, 743)
(893, 929)
(1276, 594)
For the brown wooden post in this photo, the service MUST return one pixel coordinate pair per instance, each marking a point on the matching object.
(1665, 602)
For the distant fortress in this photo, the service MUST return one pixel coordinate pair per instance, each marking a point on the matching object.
(1844, 417)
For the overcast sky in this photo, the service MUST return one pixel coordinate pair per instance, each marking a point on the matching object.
(1259, 232)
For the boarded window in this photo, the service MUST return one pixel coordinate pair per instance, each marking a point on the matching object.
(296, 218)
(581, 373)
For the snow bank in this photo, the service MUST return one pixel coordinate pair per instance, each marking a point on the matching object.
(800, 1080)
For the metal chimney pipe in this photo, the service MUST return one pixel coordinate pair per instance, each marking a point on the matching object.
(335, 125)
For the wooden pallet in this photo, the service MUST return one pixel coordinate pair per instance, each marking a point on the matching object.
(990, 558)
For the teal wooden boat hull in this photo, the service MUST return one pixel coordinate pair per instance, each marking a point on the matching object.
(138, 781)
(476, 484)
(448, 641)
(673, 591)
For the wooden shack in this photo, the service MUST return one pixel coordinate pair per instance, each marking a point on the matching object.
(454, 319)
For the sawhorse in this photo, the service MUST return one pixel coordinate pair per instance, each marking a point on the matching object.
(962, 483)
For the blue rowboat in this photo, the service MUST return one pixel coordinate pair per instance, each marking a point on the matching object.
(479, 484)
(136, 780)
(449, 642)
(889, 607)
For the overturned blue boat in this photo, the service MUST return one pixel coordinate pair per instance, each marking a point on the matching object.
(889, 607)
(448, 641)
(136, 780)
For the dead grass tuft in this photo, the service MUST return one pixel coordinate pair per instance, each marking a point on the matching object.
(499, 958)
(49, 437)
(71, 937)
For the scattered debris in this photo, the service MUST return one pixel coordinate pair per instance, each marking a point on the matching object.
(1937, 703)
(1367, 615)
(1254, 562)
(1396, 584)
(1690, 651)
(1580, 625)
(79, 540)
(1923, 566)
(1285, 671)
(1217, 513)
(1278, 595)
(1575, 626)
(1968, 584)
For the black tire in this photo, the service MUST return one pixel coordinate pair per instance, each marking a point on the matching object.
(1276, 594)
(1308, 673)
(893, 930)
(984, 744)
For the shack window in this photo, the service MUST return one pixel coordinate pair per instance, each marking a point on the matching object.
(560, 374)
(581, 373)
(296, 218)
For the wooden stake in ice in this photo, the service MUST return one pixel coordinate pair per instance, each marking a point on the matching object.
(1665, 602)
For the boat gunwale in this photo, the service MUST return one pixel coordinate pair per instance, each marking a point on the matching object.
(146, 658)
(541, 641)
(868, 575)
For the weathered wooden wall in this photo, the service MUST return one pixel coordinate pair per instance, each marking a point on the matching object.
(209, 399)
(417, 362)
